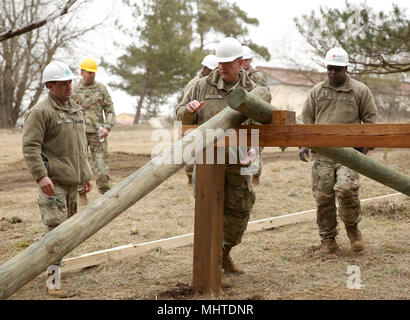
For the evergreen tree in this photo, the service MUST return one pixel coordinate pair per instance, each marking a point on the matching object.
(161, 61)
(212, 17)
(171, 38)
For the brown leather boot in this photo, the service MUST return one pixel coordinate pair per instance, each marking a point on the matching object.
(227, 262)
(355, 237)
(329, 245)
(82, 199)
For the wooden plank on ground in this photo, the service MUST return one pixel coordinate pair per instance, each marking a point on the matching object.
(117, 253)
(120, 252)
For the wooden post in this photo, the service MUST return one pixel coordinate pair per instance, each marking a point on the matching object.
(283, 117)
(208, 230)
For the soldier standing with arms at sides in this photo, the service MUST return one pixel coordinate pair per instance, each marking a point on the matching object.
(202, 101)
(338, 99)
(209, 63)
(99, 112)
(55, 150)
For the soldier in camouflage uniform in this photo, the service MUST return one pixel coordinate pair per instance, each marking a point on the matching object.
(259, 77)
(208, 96)
(55, 150)
(338, 99)
(99, 112)
(209, 63)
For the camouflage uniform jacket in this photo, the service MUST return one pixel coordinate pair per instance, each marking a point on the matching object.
(214, 92)
(95, 101)
(192, 82)
(257, 76)
(54, 142)
(351, 103)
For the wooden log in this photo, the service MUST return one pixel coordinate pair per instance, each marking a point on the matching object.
(251, 106)
(208, 227)
(53, 246)
(243, 101)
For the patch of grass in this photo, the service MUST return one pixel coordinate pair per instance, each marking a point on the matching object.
(391, 210)
(24, 243)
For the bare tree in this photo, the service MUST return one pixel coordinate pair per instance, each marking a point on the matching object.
(37, 24)
(22, 58)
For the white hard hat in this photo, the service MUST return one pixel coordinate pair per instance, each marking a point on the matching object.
(57, 71)
(228, 50)
(210, 61)
(247, 53)
(337, 57)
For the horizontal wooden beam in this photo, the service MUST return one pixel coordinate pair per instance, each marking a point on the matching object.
(328, 135)
(120, 252)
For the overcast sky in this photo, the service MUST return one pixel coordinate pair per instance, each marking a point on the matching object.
(276, 31)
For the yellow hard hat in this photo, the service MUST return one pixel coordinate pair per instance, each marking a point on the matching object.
(89, 65)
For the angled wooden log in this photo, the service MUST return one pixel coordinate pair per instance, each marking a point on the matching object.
(53, 246)
(261, 111)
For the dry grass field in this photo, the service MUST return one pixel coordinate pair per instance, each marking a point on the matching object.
(279, 262)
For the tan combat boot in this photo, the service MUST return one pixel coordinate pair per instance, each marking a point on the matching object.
(227, 263)
(82, 199)
(355, 237)
(329, 245)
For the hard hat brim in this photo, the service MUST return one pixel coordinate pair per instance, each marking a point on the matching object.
(247, 57)
(89, 69)
(228, 59)
(71, 77)
(209, 66)
(339, 64)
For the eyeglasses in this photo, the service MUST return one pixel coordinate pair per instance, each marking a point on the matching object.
(335, 68)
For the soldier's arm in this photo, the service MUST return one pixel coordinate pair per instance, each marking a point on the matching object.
(308, 111)
(308, 117)
(368, 109)
(261, 79)
(34, 130)
(181, 110)
(109, 111)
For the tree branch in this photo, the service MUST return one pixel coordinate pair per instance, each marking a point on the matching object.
(13, 33)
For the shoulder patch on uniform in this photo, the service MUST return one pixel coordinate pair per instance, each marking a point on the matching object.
(325, 95)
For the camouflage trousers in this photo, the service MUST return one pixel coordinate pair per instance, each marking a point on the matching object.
(99, 156)
(238, 202)
(332, 180)
(56, 209)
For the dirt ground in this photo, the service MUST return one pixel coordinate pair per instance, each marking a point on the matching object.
(279, 263)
